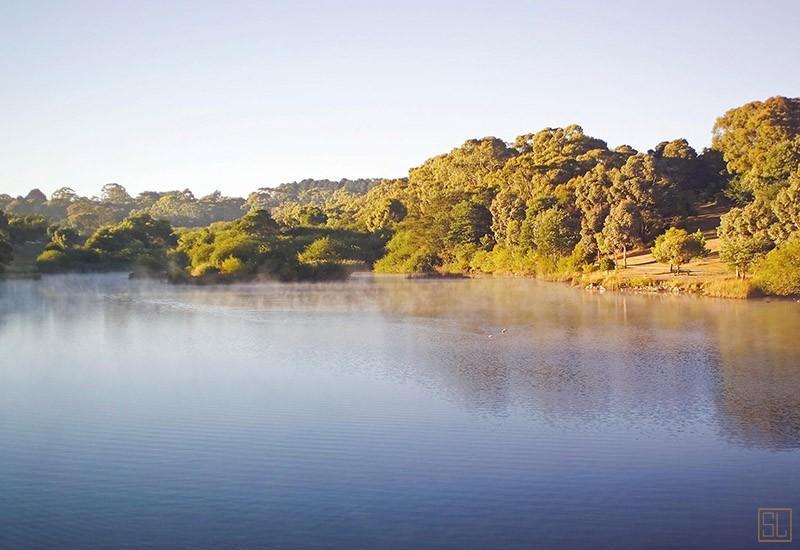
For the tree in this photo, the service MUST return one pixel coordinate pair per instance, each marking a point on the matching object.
(741, 252)
(639, 182)
(36, 196)
(385, 214)
(64, 194)
(685, 177)
(550, 232)
(759, 142)
(30, 228)
(258, 222)
(547, 165)
(621, 231)
(135, 236)
(178, 208)
(410, 251)
(312, 215)
(743, 237)
(87, 216)
(114, 193)
(145, 199)
(677, 247)
(592, 197)
(151, 232)
(441, 183)
(786, 208)
(469, 222)
(65, 237)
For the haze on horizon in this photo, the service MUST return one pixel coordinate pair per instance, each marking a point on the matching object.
(242, 95)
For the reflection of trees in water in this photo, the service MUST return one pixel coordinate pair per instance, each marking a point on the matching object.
(5, 305)
(655, 359)
(758, 395)
(567, 356)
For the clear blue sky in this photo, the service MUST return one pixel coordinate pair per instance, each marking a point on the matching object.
(237, 95)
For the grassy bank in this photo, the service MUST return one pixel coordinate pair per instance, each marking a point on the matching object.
(714, 287)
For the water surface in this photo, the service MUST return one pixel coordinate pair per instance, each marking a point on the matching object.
(383, 412)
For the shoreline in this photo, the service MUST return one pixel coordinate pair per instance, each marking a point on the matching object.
(593, 282)
(601, 282)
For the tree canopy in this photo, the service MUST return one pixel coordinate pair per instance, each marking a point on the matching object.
(557, 196)
(677, 247)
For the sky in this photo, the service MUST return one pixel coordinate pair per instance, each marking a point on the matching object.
(237, 95)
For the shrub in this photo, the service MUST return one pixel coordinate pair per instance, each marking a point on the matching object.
(229, 244)
(406, 253)
(51, 261)
(779, 272)
(482, 261)
(54, 260)
(462, 256)
(232, 265)
(606, 264)
(321, 250)
(204, 269)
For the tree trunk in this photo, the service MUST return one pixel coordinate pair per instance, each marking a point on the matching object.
(624, 256)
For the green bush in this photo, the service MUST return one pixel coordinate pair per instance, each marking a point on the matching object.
(229, 244)
(205, 269)
(72, 259)
(407, 254)
(462, 256)
(606, 264)
(779, 272)
(51, 261)
(321, 250)
(232, 265)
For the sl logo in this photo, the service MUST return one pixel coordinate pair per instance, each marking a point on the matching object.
(774, 525)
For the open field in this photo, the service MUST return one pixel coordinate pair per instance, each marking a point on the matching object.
(642, 264)
(707, 276)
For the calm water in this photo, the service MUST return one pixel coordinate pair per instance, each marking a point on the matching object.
(384, 413)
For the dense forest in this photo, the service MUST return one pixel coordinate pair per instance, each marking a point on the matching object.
(556, 203)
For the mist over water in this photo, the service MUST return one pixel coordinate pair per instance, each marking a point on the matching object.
(385, 412)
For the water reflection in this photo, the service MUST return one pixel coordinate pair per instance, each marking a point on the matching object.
(496, 347)
(385, 412)
(758, 393)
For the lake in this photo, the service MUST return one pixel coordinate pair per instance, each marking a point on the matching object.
(383, 412)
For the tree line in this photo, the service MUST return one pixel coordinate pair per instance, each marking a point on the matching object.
(549, 201)
(180, 208)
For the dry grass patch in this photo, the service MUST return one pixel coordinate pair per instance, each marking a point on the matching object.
(730, 288)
